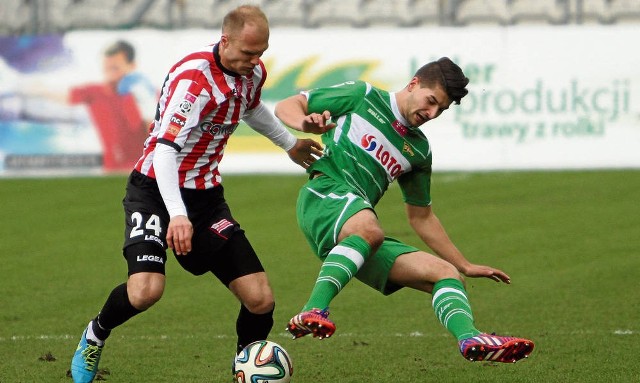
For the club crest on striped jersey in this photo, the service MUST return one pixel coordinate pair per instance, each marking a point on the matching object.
(221, 226)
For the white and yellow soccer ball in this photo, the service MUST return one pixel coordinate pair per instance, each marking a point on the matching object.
(263, 361)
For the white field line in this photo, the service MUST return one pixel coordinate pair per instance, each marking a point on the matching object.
(414, 334)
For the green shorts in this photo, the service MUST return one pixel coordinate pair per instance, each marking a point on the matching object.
(323, 207)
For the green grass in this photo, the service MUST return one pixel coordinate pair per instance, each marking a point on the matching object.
(569, 240)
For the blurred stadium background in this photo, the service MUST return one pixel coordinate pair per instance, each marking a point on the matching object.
(49, 16)
(547, 76)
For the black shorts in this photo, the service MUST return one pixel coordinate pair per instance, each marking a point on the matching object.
(218, 244)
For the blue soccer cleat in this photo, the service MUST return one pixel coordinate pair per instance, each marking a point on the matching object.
(84, 364)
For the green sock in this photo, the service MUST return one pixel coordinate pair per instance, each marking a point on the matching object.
(342, 263)
(452, 308)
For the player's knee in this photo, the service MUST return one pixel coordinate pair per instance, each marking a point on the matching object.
(260, 301)
(145, 291)
(374, 235)
(449, 271)
(366, 226)
(259, 304)
(144, 298)
(379, 237)
(254, 291)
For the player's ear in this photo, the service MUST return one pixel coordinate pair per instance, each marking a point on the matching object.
(224, 40)
(415, 82)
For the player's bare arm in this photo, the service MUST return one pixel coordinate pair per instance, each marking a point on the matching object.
(429, 228)
(293, 111)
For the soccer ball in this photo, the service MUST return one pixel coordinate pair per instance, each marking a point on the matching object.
(263, 362)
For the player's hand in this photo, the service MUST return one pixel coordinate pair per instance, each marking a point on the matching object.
(305, 152)
(317, 123)
(480, 271)
(179, 234)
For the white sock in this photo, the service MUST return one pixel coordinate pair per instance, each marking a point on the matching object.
(91, 336)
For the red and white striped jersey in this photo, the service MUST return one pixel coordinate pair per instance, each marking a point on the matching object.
(200, 106)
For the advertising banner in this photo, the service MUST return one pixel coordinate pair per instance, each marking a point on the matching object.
(539, 97)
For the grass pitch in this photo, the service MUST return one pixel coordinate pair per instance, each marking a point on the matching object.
(569, 240)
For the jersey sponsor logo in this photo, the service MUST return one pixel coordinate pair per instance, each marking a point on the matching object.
(149, 258)
(178, 119)
(368, 142)
(176, 122)
(217, 129)
(382, 155)
(190, 97)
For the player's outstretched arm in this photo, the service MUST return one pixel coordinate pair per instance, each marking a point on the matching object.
(301, 151)
(428, 227)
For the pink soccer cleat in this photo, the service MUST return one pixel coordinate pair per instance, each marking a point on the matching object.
(495, 348)
(314, 322)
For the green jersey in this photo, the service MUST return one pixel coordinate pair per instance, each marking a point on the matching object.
(372, 144)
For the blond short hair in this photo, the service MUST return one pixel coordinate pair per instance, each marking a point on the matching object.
(236, 19)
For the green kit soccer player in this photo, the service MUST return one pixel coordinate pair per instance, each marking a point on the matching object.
(372, 138)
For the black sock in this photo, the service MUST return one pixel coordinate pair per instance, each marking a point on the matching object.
(116, 310)
(252, 327)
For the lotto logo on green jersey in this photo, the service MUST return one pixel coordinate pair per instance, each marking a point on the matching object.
(383, 155)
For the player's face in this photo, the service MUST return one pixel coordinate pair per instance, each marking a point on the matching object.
(424, 103)
(241, 52)
(115, 67)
